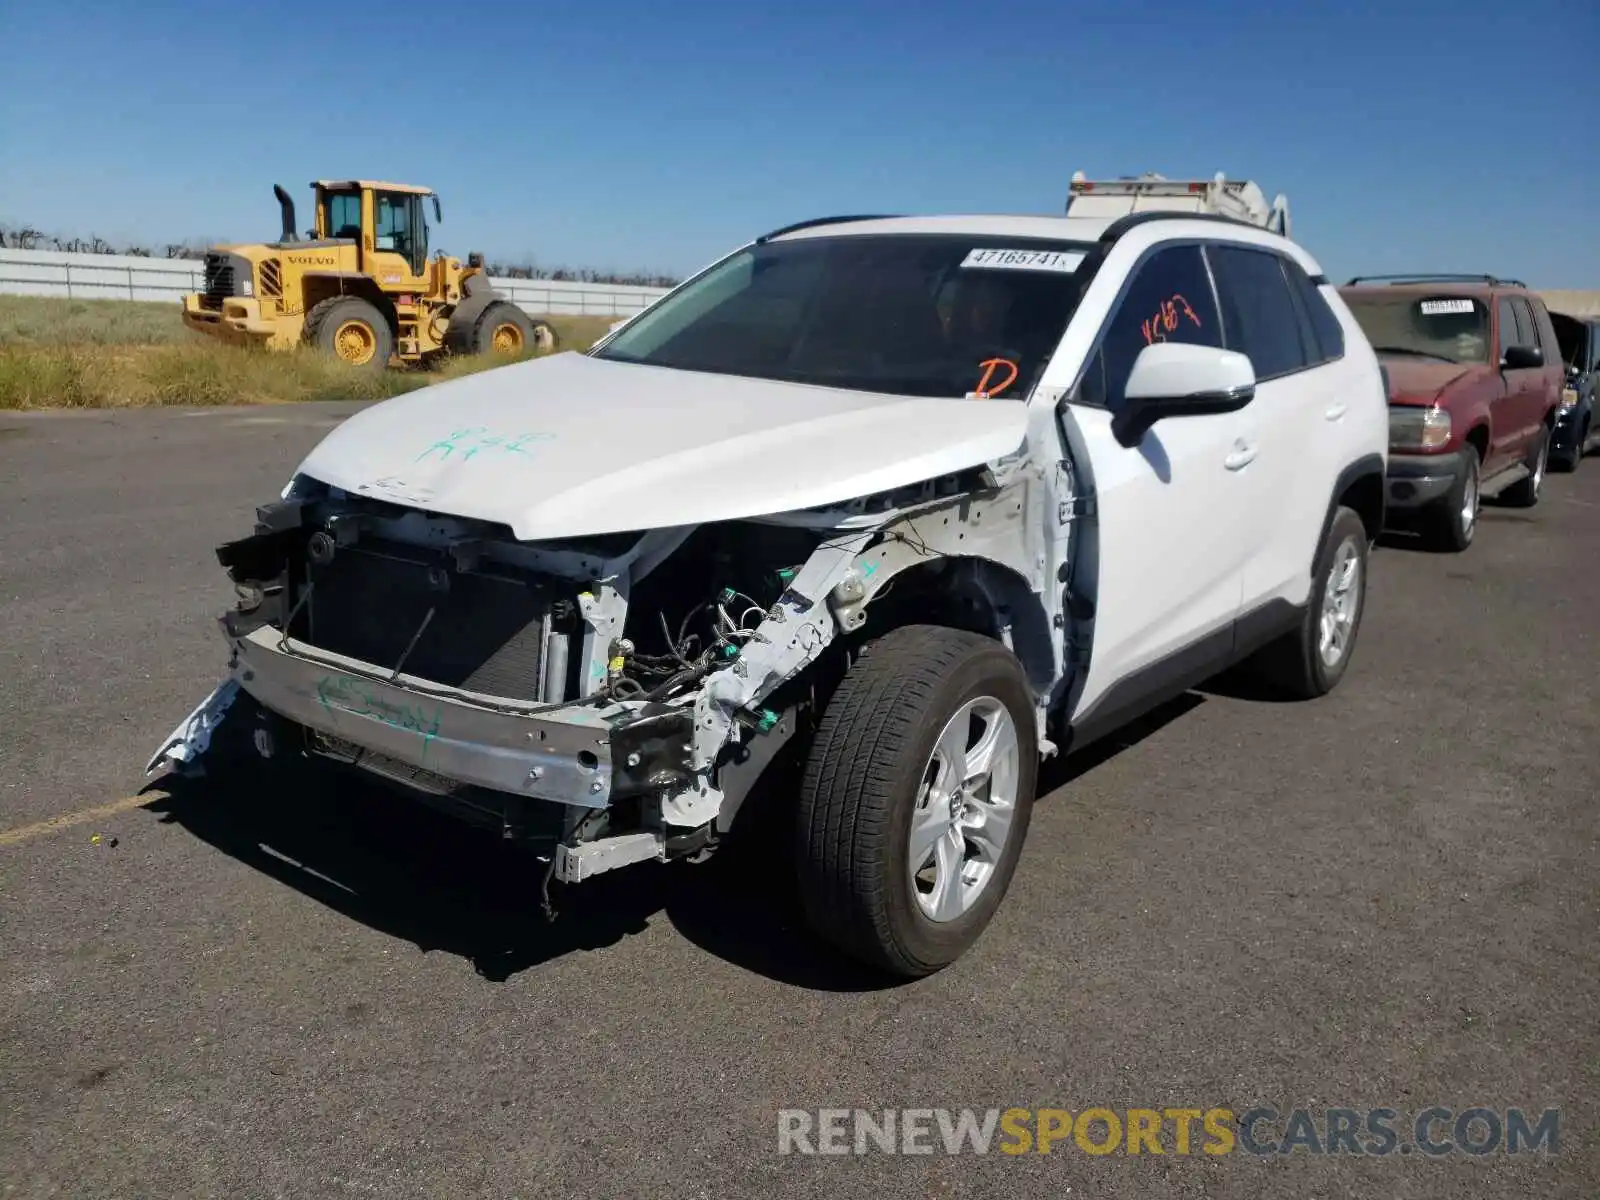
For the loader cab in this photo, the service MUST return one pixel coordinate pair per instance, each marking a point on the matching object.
(387, 220)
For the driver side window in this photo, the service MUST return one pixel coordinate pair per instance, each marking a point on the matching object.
(1169, 300)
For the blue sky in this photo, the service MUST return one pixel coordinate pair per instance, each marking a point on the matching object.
(1408, 135)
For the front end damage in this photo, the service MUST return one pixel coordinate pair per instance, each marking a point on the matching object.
(616, 698)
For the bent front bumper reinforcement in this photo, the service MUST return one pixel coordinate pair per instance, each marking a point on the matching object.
(562, 755)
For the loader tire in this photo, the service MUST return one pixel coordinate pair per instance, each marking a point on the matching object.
(352, 330)
(503, 328)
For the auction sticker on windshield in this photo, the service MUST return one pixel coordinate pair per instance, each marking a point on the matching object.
(1064, 261)
(1433, 308)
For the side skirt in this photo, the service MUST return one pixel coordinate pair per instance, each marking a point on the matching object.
(1170, 677)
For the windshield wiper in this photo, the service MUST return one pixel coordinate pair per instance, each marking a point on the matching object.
(1415, 353)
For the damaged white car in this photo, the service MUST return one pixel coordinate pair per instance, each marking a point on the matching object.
(925, 500)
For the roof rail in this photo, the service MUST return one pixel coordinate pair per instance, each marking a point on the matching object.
(1122, 224)
(815, 221)
(1491, 280)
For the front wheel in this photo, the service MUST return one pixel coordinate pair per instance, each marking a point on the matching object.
(352, 330)
(916, 798)
(1311, 660)
(1451, 524)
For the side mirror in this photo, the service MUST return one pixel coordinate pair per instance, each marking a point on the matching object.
(1522, 358)
(438, 216)
(1174, 380)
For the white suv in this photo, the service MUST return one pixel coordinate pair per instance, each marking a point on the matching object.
(885, 508)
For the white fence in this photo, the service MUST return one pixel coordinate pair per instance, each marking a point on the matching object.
(126, 277)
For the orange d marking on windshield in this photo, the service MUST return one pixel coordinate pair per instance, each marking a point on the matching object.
(985, 388)
(1166, 319)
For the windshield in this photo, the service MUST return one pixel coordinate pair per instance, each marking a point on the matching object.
(1450, 328)
(907, 314)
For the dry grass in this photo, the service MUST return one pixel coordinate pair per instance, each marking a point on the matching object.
(46, 320)
(114, 353)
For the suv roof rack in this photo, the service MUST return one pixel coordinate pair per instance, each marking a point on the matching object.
(815, 221)
(1491, 280)
(1133, 220)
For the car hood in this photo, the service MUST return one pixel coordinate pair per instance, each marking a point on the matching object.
(572, 446)
(1412, 381)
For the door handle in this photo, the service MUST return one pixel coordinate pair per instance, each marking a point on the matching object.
(1243, 455)
(1336, 412)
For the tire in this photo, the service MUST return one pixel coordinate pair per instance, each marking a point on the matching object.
(1525, 492)
(1566, 463)
(1452, 523)
(863, 784)
(351, 329)
(1302, 664)
(503, 328)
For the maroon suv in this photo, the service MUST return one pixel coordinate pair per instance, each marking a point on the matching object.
(1475, 376)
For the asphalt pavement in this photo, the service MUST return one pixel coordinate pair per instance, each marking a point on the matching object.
(1389, 898)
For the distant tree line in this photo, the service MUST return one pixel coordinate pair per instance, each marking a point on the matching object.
(27, 237)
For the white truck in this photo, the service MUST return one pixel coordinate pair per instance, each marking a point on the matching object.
(879, 512)
(1241, 199)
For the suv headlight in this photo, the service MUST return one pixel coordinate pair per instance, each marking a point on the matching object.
(1418, 428)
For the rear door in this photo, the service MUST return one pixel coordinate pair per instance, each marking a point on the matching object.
(1264, 319)
(1167, 558)
(1509, 416)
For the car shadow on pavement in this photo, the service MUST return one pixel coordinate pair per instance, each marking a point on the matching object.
(1495, 511)
(409, 872)
(1058, 772)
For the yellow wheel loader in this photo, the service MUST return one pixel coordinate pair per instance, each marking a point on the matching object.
(362, 287)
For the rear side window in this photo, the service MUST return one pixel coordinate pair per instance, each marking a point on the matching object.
(1527, 333)
(1259, 317)
(1538, 331)
(1525, 324)
(1168, 300)
(1328, 334)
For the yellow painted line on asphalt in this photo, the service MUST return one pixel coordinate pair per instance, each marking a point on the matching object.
(26, 833)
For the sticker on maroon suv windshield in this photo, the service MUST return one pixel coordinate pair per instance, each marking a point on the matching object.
(1433, 308)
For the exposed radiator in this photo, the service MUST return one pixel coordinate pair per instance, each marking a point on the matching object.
(487, 632)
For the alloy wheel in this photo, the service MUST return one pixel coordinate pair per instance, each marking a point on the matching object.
(1341, 604)
(962, 818)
